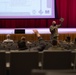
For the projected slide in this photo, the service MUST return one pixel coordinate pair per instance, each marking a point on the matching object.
(27, 9)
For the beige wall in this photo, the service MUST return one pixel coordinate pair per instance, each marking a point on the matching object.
(32, 37)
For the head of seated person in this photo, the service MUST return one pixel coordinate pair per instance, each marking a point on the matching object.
(23, 39)
(68, 39)
(54, 42)
(75, 41)
(8, 36)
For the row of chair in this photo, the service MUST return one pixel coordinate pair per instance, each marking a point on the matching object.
(53, 72)
(22, 62)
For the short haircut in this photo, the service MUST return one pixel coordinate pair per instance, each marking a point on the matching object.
(54, 42)
(23, 38)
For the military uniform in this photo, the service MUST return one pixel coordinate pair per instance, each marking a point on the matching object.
(54, 32)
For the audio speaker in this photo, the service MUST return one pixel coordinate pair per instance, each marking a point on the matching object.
(19, 31)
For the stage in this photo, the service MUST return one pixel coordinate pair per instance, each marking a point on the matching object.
(41, 30)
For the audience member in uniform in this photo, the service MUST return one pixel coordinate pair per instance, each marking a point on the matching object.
(67, 43)
(73, 46)
(22, 43)
(8, 42)
(55, 46)
(42, 43)
(75, 41)
(8, 39)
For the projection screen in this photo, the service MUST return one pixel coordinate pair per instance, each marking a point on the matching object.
(27, 8)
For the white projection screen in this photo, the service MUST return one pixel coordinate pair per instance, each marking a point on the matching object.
(27, 8)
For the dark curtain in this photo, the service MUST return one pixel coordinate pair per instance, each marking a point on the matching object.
(64, 8)
(67, 10)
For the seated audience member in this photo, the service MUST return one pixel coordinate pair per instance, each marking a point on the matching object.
(75, 41)
(67, 43)
(8, 39)
(55, 46)
(22, 43)
(8, 42)
(73, 46)
(68, 40)
(42, 43)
